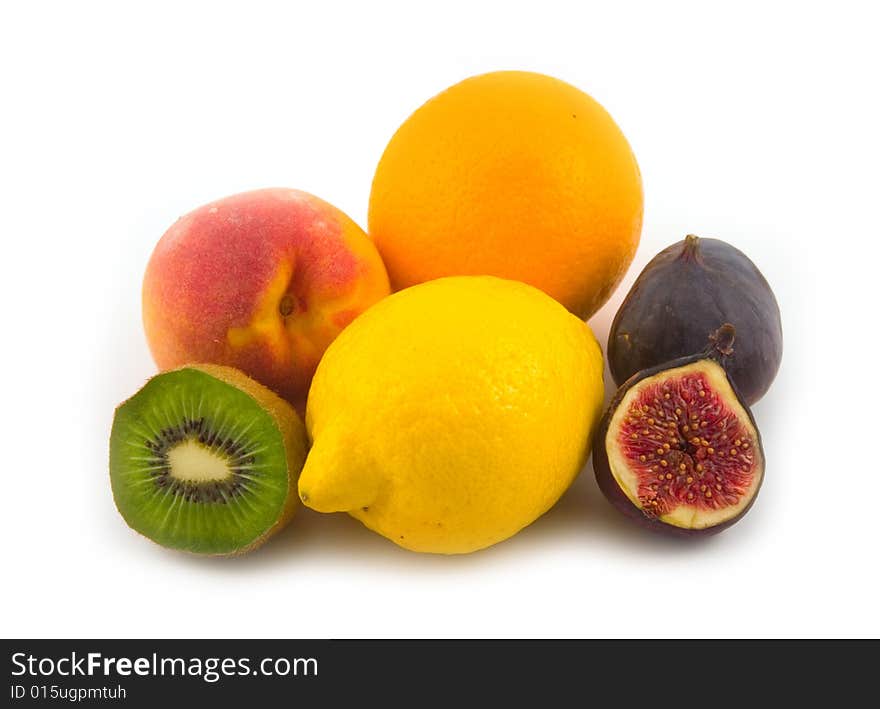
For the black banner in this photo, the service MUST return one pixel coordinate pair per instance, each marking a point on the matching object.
(411, 672)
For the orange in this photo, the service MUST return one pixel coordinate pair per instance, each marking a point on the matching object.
(510, 174)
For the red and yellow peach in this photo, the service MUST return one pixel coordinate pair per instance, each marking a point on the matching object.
(262, 281)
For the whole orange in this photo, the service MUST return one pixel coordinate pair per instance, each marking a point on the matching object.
(511, 174)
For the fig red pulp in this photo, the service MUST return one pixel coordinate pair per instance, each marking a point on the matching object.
(686, 446)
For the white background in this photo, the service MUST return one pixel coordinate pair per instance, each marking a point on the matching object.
(757, 124)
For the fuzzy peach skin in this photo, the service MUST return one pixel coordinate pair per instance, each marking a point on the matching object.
(262, 281)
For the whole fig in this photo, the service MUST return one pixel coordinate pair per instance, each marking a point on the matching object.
(688, 291)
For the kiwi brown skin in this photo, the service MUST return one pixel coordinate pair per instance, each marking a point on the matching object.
(602, 467)
(293, 437)
(687, 290)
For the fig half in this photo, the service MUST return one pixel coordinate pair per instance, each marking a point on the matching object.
(678, 449)
(687, 290)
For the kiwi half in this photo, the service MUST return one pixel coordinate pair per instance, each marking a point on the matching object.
(206, 460)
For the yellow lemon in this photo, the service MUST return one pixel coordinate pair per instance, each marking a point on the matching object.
(452, 414)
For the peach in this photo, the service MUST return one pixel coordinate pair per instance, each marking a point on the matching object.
(262, 281)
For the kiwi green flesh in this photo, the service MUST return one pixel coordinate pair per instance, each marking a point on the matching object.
(197, 464)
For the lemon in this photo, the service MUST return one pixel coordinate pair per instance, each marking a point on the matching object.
(452, 414)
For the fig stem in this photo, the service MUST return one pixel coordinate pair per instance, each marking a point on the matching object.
(722, 340)
(691, 249)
